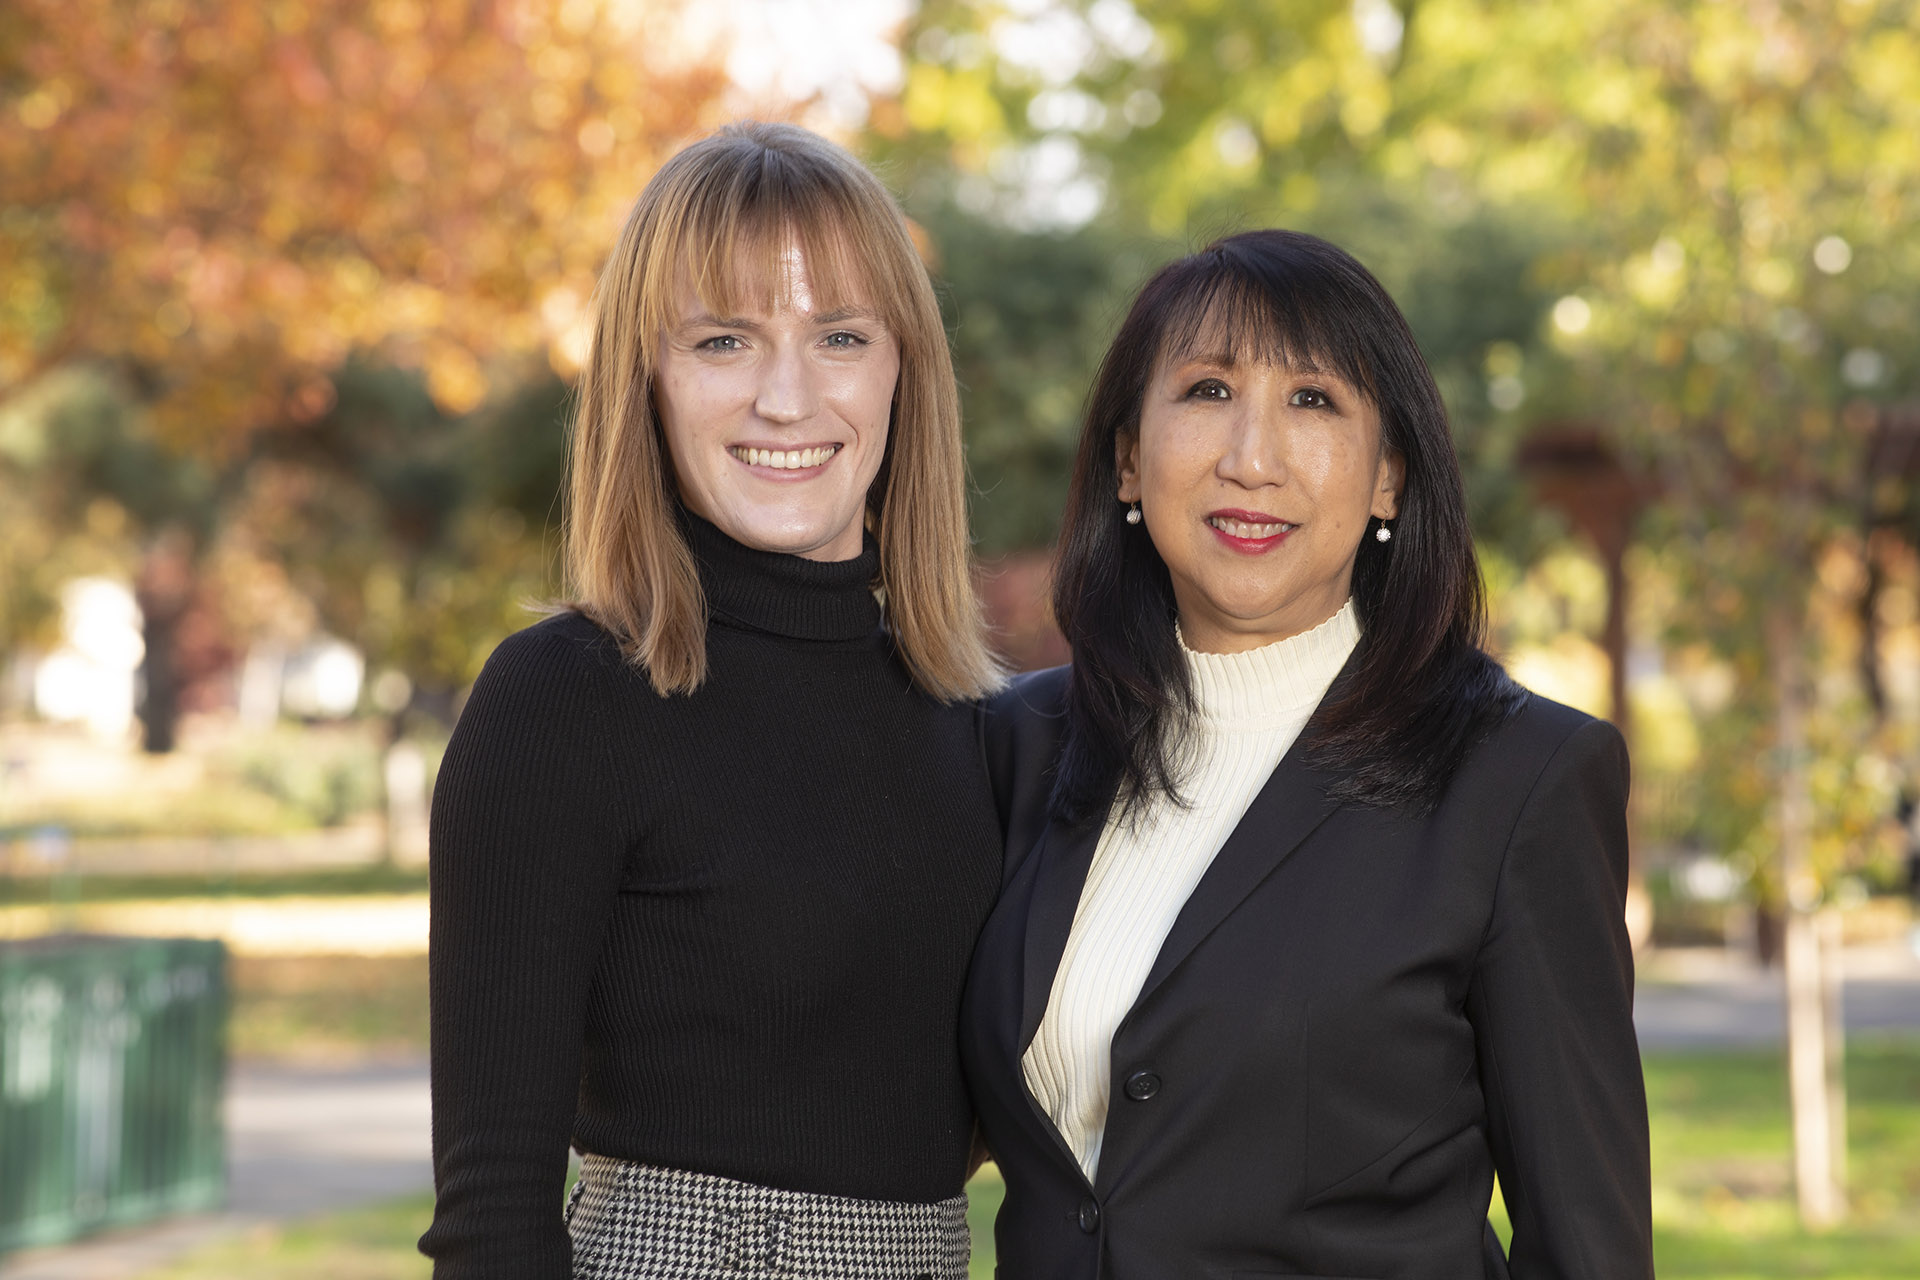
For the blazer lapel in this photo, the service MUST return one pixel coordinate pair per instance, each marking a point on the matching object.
(1292, 804)
(1065, 855)
(1062, 860)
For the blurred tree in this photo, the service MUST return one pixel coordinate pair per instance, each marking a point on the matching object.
(1028, 313)
(218, 202)
(414, 534)
(49, 531)
(1141, 131)
(1175, 115)
(1749, 169)
(231, 197)
(418, 535)
(1723, 193)
(90, 490)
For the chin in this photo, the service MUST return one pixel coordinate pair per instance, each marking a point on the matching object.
(789, 535)
(1251, 610)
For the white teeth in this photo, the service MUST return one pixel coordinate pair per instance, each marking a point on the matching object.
(1241, 529)
(785, 460)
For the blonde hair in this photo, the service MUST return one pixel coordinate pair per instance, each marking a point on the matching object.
(720, 213)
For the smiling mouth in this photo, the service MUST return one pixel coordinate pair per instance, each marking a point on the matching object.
(785, 459)
(1249, 530)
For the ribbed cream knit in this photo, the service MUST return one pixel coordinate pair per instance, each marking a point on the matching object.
(1251, 708)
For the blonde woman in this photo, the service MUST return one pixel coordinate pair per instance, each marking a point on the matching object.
(711, 848)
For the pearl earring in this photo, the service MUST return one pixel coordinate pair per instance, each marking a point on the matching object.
(1383, 534)
(1133, 514)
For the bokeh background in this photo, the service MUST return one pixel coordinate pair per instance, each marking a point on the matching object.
(292, 292)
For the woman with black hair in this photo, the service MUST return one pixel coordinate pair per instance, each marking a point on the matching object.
(1312, 918)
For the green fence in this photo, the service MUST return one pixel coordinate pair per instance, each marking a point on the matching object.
(112, 1059)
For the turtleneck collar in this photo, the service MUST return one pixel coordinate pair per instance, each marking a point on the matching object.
(1274, 683)
(782, 594)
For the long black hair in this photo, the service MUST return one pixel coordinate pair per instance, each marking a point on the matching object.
(1419, 691)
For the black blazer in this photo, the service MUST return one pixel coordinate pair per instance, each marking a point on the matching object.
(1359, 1016)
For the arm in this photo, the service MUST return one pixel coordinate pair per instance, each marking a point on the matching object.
(523, 874)
(1552, 1008)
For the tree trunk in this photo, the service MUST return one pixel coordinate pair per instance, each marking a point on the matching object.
(1769, 931)
(164, 590)
(1812, 991)
(1829, 934)
(159, 682)
(1613, 639)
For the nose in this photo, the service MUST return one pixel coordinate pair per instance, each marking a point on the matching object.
(787, 391)
(1254, 455)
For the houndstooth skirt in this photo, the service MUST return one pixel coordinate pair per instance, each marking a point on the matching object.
(637, 1222)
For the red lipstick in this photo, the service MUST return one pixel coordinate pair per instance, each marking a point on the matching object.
(1248, 532)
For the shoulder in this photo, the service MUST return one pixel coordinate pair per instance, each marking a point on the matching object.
(564, 649)
(1030, 695)
(538, 718)
(555, 643)
(1027, 716)
(1021, 728)
(560, 665)
(1544, 731)
(1542, 750)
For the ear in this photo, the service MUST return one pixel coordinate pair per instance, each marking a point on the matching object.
(1388, 478)
(1126, 461)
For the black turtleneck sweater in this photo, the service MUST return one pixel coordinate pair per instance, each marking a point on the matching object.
(723, 932)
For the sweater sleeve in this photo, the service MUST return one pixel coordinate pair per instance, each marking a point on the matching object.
(524, 869)
(1551, 1002)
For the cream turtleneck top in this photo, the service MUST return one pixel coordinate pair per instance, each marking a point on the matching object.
(1250, 708)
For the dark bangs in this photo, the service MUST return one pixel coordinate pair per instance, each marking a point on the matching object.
(1223, 306)
(1419, 690)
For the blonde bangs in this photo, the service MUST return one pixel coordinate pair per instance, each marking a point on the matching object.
(740, 263)
(729, 242)
(720, 217)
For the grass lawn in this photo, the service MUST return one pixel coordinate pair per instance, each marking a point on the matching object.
(328, 1006)
(1723, 1194)
(365, 1244)
(1723, 1186)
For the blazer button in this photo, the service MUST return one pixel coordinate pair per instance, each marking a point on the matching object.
(1089, 1216)
(1142, 1085)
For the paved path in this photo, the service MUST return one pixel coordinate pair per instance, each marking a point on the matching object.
(309, 1139)
(1751, 1012)
(1706, 1000)
(304, 1140)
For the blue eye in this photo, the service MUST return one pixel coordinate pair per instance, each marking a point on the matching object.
(725, 342)
(845, 341)
(1310, 398)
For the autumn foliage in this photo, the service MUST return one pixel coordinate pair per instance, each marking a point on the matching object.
(229, 196)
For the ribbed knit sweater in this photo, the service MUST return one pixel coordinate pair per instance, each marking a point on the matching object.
(723, 932)
(1250, 708)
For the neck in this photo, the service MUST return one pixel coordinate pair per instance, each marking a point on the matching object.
(1204, 631)
(781, 594)
(1274, 682)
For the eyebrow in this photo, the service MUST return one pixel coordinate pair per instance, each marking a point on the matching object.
(1226, 360)
(845, 314)
(703, 320)
(1216, 359)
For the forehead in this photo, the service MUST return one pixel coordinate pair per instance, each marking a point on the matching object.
(1218, 337)
(777, 269)
(1235, 321)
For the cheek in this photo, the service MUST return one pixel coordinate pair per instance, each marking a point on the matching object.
(1341, 475)
(1173, 459)
(695, 402)
(863, 394)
